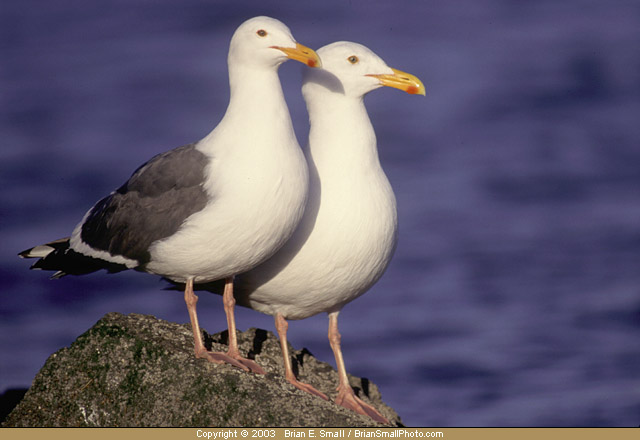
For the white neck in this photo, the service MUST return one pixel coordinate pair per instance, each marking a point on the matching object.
(259, 86)
(341, 134)
(257, 101)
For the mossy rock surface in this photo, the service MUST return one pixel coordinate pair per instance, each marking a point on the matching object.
(137, 370)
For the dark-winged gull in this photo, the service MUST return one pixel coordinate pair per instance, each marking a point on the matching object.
(349, 230)
(212, 209)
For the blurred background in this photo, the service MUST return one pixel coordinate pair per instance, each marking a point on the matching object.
(514, 295)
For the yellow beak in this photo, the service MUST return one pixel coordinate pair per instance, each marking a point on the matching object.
(403, 81)
(301, 53)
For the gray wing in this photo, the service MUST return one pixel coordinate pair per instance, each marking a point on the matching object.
(150, 206)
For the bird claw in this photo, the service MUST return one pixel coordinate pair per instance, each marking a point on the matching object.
(348, 399)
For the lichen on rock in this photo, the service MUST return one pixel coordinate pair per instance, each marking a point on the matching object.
(137, 370)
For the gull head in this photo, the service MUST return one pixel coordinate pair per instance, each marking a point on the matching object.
(354, 70)
(266, 42)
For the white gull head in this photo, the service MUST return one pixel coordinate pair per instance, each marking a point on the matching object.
(353, 70)
(264, 42)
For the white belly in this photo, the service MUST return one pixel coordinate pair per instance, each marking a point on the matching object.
(254, 211)
(332, 258)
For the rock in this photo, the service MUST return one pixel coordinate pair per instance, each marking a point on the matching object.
(137, 370)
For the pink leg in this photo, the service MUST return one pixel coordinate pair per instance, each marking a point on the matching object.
(201, 352)
(233, 352)
(281, 327)
(346, 397)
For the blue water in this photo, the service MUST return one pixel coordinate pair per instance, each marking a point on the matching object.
(514, 295)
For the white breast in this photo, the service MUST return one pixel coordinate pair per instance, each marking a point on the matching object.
(257, 180)
(346, 237)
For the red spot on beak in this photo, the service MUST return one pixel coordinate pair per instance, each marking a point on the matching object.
(412, 90)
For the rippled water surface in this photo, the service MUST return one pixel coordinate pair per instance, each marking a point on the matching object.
(513, 298)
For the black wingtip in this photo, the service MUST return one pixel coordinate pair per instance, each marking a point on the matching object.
(43, 250)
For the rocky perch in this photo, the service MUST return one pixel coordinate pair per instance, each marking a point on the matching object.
(137, 370)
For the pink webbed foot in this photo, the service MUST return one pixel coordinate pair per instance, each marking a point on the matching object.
(231, 357)
(218, 357)
(347, 398)
(306, 387)
(250, 365)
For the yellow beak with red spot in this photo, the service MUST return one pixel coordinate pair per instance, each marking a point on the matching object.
(301, 53)
(401, 80)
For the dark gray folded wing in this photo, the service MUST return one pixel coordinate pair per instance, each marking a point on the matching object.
(150, 206)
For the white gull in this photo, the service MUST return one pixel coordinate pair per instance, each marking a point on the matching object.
(212, 209)
(349, 230)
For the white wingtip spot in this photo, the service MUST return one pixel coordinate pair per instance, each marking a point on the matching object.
(38, 252)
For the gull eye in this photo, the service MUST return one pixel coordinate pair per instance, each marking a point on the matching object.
(262, 33)
(353, 59)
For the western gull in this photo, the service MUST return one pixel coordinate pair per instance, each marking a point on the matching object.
(211, 209)
(349, 230)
